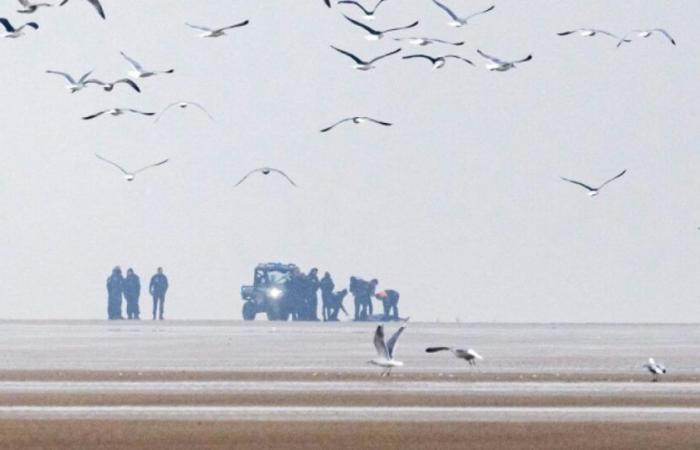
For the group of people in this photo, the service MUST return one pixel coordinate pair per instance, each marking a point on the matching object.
(129, 288)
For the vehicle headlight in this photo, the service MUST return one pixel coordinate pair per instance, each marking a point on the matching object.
(275, 293)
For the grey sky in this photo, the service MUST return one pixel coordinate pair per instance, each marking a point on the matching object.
(458, 205)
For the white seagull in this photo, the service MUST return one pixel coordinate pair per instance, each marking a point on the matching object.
(469, 355)
(369, 13)
(139, 71)
(438, 61)
(12, 32)
(375, 35)
(73, 85)
(118, 112)
(385, 349)
(361, 64)
(460, 21)
(30, 7)
(646, 34)
(95, 3)
(590, 32)
(356, 120)
(266, 171)
(655, 368)
(183, 105)
(499, 65)
(593, 191)
(215, 32)
(129, 176)
(423, 41)
(109, 86)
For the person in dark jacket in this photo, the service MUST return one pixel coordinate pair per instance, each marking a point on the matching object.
(326, 285)
(115, 289)
(157, 288)
(312, 285)
(337, 305)
(132, 292)
(355, 289)
(390, 300)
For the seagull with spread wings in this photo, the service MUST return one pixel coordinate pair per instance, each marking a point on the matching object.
(375, 35)
(118, 112)
(138, 70)
(356, 120)
(438, 61)
(266, 171)
(130, 176)
(108, 87)
(13, 33)
(593, 191)
(369, 13)
(646, 33)
(361, 64)
(590, 32)
(458, 21)
(183, 105)
(423, 41)
(216, 32)
(385, 349)
(95, 3)
(500, 65)
(469, 355)
(30, 7)
(73, 84)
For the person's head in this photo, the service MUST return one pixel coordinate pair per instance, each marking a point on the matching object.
(313, 271)
(160, 270)
(117, 270)
(374, 282)
(129, 271)
(326, 275)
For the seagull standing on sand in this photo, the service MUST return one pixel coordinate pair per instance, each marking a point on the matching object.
(183, 105)
(655, 368)
(109, 86)
(469, 355)
(590, 32)
(12, 32)
(375, 35)
(139, 71)
(423, 41)
(364, 65)
(499, 65)
(460, 21)
(646, 34)
(438, 61)
(95, 3)
(369, 13)
(593, 191)
(30, 7)
(118, 112)
(129, 176)
(356, 120)
(216, 32)
(266, 171)
(385, 349)
(73, 85)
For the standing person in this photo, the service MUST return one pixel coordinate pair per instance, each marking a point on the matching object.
(158, 288)
(294, 294)
(369, 293)
(312, 285)
(327, 299)
(355, 289)
(132, 292)
(390, 300)
(115, 289)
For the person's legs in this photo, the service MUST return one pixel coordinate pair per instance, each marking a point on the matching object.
(162, 304)
(155, 306)
(358, 306)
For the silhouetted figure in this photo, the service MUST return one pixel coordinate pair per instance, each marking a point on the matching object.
(311, 291)
(367, 297)
(326, 285)
(132, 292)
(115, 289)
(390, 300)
(337, 305)
(295, 294)
(158, 288)
(356, 291)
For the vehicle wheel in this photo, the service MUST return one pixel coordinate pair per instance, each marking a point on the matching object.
(249, 311)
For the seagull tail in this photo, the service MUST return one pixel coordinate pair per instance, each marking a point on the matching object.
(435, 349)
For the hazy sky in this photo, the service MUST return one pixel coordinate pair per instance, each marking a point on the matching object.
(458, 205)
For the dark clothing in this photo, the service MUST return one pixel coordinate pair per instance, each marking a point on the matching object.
(158, 301)
(360, 290)
(336, 305)
(326, 285)
(132, 292)
(295, 297)
(115, 289)
(311, 298)
(158, 287)
(390, 300)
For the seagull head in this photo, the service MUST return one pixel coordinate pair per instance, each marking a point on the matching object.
(265, 171)
(129, 177)
(593, 193)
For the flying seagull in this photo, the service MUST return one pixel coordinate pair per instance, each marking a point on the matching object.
(129, 176)
(12, 32)
(438, 61)
(364, 65)
(499, 65)
(592, 32)
(118, 112)
(95, 3)
(30, 7)
(655, 368)
(73, 85)
(460, 21)
(369, 13)
(593, 191)
(327, 2)
(385, 349)
(469, 355)
(375, 35)
(216, 32)
(266, 171)
(356, 120)
(423, 41)
(183, 105)
(139, 71)
(646, 34)
(109, 86)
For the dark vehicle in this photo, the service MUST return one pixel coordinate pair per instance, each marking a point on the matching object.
(268, 293)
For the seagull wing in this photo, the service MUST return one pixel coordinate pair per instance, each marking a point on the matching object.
(336, 124)
(84, 77)
(527, 58)
(447, 10)
(377, 6)
(98, 7)
(125, 172)
(474, 354)
(141, 112)
(414, 24)
(63, 74)
(566, 33)
(24, 3)
(378, 122)
(385, 55)
(492, 58)
(491, 8)
(379, 344)
(134, 63)
(160, 163)
(459, 57)
(437, 349)
(447, 42)
(97, 114)
(164, 110)
(198, 27)
(201, 108)
(391, 344)
(8, 26)
(30, 25)
(420, 55)
(240, 24)
(355, 58)
(327, 2)
(284, 175)
(665, 33)
(613, 178)
(361, 25)
(579, 183)
(351, 2)
(129, 82)
(247, 175)
(606, 33)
